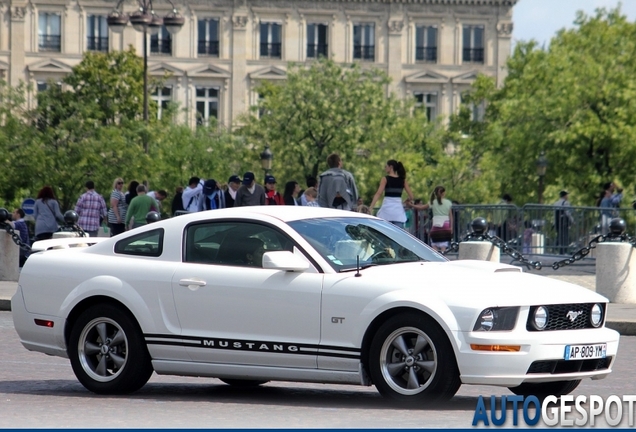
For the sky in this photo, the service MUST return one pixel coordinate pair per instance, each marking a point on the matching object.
(541, 19)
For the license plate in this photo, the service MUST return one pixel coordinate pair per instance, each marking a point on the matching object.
(585, 352)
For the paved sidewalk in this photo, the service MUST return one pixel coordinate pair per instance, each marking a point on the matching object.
(621, 317)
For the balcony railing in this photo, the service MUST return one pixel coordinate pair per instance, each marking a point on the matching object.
(364, 52)
(163, 46)
(50, 43)
(272, 50)
(96, 43)
(428, 54)
(210, 48)
(317, 50)
(474, 55)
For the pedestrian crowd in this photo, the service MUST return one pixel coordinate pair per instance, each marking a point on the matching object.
(129, 207)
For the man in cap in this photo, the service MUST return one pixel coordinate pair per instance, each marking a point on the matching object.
(272, 197)
(562, 221)
(249, 193)
(233, 184)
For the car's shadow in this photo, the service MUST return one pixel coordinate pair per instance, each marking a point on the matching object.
(268, 394)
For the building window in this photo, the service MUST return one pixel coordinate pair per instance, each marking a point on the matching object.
(41, 86)
(207, 101)
(428, 103)
(477, 110)
(49, 32)
(270, 40)
(317, 40)
(163, 97)
(209, 37)
(161, 43)
(364, 42)
(426, 43)
(473, 44)
(96, 33)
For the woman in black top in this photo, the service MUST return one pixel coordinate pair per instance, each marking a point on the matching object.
(393, 184)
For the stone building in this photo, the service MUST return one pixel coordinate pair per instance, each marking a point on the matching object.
(432, 49)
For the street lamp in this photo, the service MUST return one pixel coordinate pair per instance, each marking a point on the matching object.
(542, 164)
(146, 21)
(266, 159)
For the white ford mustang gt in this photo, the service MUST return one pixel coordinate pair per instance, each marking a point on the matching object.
(253, 294)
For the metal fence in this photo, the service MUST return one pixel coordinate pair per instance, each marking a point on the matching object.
(532, 229)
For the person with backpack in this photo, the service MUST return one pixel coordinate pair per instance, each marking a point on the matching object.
(337, 186)
(212, 196)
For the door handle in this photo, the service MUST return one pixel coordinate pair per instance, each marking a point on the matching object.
(192, 282)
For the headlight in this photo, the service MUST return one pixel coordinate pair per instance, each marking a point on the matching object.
(540, 318)
(496, 319)
(596, 316)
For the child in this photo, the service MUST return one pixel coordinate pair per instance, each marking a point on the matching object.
(311, 194)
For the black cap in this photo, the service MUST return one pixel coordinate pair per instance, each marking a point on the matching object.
(248, 178)
(234, 179)
(563, 193)
(270, 179)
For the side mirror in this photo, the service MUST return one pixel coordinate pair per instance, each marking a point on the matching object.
(284, 260)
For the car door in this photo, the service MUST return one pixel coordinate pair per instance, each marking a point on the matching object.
(233, 311)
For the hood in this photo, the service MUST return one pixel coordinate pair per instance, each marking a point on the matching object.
(481, 283)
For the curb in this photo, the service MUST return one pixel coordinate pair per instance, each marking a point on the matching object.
(625, 328)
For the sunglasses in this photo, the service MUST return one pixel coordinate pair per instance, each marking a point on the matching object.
(120, 182)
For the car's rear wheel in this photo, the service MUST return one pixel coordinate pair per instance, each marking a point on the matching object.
(108, 352)
(412, 360)
(242, 382)
(541, 390)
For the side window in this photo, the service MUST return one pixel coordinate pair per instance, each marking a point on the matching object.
(149, 243)
(232, 243)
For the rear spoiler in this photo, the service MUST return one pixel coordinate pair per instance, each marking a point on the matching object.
(65, 243)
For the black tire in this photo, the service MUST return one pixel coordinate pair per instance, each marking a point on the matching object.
(412, 361)
(242, 382)
(119, 365)
(541, 390)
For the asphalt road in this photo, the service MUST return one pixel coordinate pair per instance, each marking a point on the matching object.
(37, 391)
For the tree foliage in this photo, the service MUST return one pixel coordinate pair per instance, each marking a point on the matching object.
(574, 100)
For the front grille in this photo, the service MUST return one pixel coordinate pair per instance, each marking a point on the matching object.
(571, 366)
(560, 316)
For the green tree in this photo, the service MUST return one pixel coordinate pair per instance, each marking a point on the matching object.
(327, 108)
(576, 100)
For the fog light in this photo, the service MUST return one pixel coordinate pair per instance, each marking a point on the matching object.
(596, 316)
(540, 318)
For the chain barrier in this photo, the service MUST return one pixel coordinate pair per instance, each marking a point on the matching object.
(14, 236)
(501, 244)
(73, 228)
(583, 252)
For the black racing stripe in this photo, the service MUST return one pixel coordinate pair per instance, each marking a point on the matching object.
(243, 341)
(247, 349)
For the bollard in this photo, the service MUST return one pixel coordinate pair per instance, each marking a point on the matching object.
(152, 216)
(479, 250)
(616, 268)
(9, 258)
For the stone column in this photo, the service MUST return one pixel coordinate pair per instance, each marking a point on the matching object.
(16, 45)
(395, 56)
(239, 65)
(9, 258)
(504, 36)
(616, 272)
(479, 250)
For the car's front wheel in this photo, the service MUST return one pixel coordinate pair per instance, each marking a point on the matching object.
(412, 360)
(541, 390)
(108, 352)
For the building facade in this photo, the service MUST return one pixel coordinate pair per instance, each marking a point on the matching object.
(432, 49)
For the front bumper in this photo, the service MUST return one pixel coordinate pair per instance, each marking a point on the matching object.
(510, 369)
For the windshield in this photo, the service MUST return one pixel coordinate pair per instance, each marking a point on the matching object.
(342, 241)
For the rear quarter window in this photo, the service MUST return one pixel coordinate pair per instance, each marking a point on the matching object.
(149, 243)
